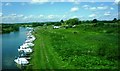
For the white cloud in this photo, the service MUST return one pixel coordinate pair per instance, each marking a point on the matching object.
(102, 7)
(117, 1)
(92, 8)
(31, 16)
(112, 8)
(20, 16)
(50, 16)
(74, 9)
(92, 15)
(38, 1)
(13, 15)
(25, 17)
(70, 0)
(7, 4)
(1, 14)
(86, 6)
(76, 2)
(74, 17)
(107, 14)
(41, 16)
(62, 1)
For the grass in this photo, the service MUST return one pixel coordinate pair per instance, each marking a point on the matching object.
(75, 48)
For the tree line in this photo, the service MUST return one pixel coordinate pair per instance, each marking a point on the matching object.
(74, 21)
(7, 28)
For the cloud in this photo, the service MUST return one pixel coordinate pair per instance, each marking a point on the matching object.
(96, 8)
(117, 1)
(107, 14)
(38, 1)
(7, 4)
(13, 18)
(50, 16)
(41, 16)
(102, 7)
(85, 6)
(92, 15)
(30, 18)
(92, 8)
(111, 8)
(74, 17)
(74, 9)
(1, 14)
(13, 14)
(76, 2)
(20, 16)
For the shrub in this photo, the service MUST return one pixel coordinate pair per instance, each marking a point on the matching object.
(102, 48)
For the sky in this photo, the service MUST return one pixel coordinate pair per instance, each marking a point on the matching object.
(23, 12)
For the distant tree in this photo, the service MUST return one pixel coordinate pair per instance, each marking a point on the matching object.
(80, 22)
(62, 21)
(41, 24)
(35, 24)
(76, 21)
(16, 27)
(118, 20)
(57, 23)
(114, 20)
(88, 21)
(73, 21)
(94, 21)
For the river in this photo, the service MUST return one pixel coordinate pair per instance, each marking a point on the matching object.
(10, 44)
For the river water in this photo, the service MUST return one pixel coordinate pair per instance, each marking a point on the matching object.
(10, 44)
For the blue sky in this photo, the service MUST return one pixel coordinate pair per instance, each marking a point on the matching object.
(15, 12)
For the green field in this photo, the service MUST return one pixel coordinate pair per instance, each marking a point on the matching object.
(83, 47)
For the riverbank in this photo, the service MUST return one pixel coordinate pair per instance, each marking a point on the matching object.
(83, 47)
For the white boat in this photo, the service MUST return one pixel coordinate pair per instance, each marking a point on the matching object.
(56, 27)
(24, 46)
(30, 36)
(29, 41)
(29, 28)
(26, 50)
(21, 61)
(29, 44)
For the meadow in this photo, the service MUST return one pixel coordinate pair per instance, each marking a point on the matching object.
(86, 46)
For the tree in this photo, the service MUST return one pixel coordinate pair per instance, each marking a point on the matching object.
(94, 21)
(57, 23)
(62, 21)
(80, 22)
(73, 21)
(114, 20)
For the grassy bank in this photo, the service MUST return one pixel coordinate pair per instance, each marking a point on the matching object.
(83, 47)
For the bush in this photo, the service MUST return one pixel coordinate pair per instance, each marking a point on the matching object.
(100, 24)
(102, 48)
